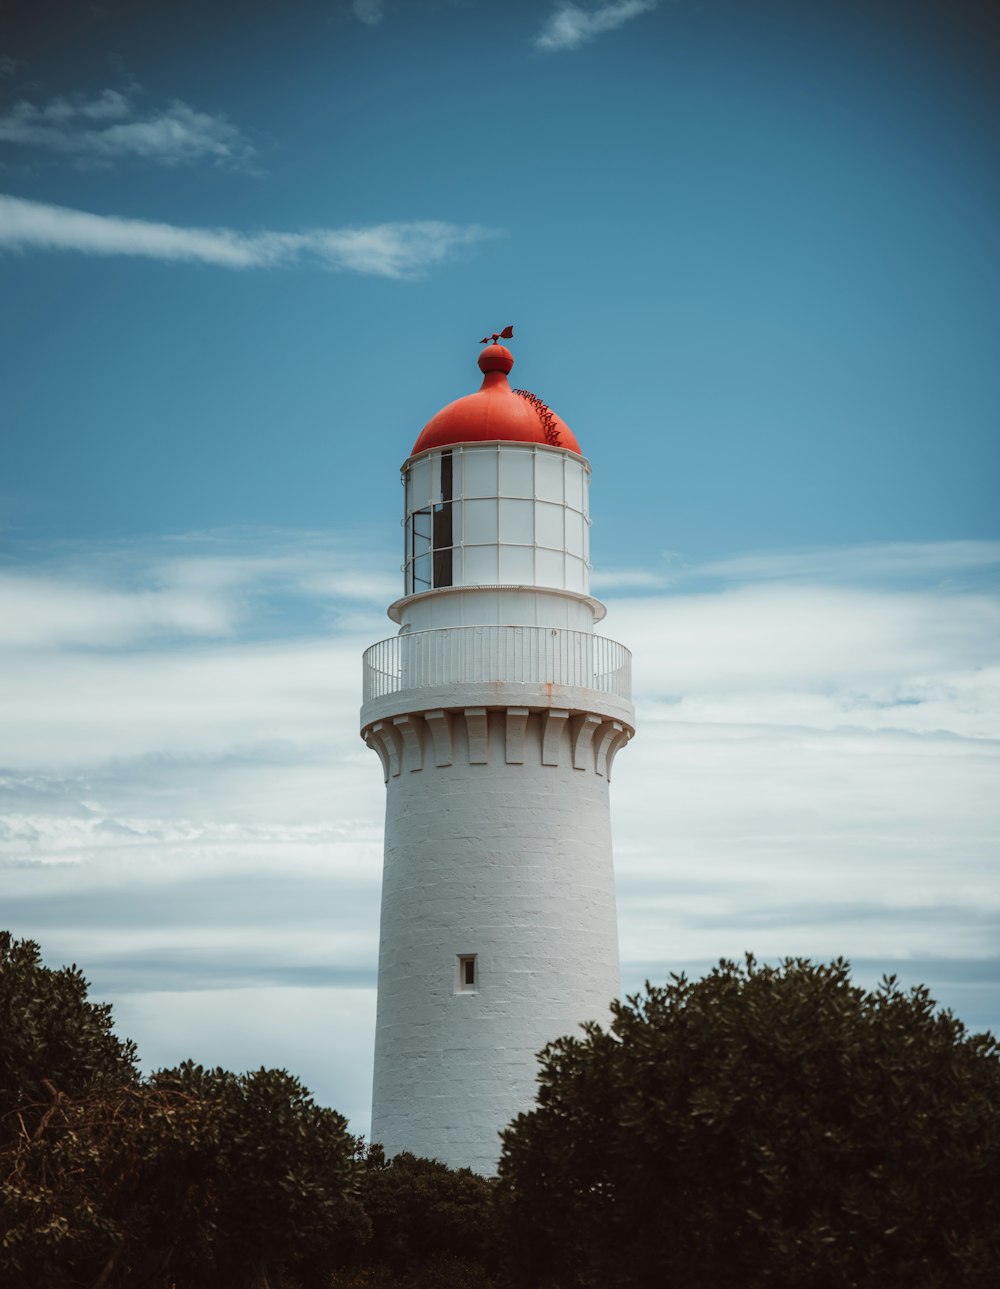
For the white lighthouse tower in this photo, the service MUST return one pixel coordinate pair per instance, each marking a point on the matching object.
(496, 713)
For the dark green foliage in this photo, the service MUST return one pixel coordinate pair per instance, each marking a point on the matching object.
(273, 1173)
(420, 1208)
(57, 1051)
(763, 1127)
(767, 1128)
(444, 1272)
(196, 1177)
(53, 1039)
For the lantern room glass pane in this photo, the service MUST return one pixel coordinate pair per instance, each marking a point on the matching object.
(479, 522)
(420, 524)
(548, 568)
(574, 484)
(517, 521)
(574, 533)
(418, 489)
(480, 565)
(517, 565)
(516, 472)
(457, 508)
(479, 467)
(548, 524)
(549, 476)
(442, 545)
(575, 580)
(422, 573)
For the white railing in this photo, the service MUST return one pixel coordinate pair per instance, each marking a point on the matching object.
(505, 655)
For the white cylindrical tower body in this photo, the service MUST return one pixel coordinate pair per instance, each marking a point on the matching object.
(497, 714)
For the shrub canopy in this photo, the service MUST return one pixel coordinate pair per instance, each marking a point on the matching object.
(54, 1040)
(421, 1210)
(764, 1126)
(192, 1177)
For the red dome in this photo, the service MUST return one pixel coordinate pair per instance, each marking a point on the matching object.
(496, 412)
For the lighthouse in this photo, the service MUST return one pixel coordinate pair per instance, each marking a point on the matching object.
(497, 713)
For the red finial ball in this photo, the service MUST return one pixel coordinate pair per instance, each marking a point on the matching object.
(496, 358)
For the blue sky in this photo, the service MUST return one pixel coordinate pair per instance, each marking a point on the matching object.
(751, 254)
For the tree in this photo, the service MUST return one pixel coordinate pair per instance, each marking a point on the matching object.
(277, 1180)
(422, 1211)
(199, 1177)
(54, 1038)
(765, 1126)
(195, 1177)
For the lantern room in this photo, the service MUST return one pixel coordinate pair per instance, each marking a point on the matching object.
(500, 513)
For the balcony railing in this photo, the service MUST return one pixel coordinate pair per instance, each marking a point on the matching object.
(505, 655)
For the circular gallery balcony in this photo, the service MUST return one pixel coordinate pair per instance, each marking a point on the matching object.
(497, 666)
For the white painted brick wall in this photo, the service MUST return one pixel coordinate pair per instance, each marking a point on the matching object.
(511, 863)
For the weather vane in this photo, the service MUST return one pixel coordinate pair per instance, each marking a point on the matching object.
(506, 334)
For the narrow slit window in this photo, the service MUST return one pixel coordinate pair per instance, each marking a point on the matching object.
(468, 980)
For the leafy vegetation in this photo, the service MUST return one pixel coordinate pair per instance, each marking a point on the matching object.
(764, 1126)
(53, 1037)
(425, 1215)
(194, 1177)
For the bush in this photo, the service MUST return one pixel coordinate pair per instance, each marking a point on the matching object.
(195, 1177)
(764, 1126)
(54, 1040)
(427, 1219)
(198, 1177)
(443, 1272)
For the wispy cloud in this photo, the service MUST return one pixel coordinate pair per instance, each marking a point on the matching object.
(882, 562)
(110, 127)
(626, 579)
(196, 587)
(571, 25)
(8, 65)
(958, 564)
(394, 250)
(820, 655)
(51, 612)
(370, 12)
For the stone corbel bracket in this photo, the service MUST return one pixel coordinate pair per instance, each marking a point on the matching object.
(410, 742)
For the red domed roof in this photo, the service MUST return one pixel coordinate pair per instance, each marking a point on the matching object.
(496, 412)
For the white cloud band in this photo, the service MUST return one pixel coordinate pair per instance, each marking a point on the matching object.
(108, 128)
(370, 12)
(393, 250)
(571, 25)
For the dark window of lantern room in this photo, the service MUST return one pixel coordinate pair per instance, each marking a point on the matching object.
(422, 528)
(443, 535)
